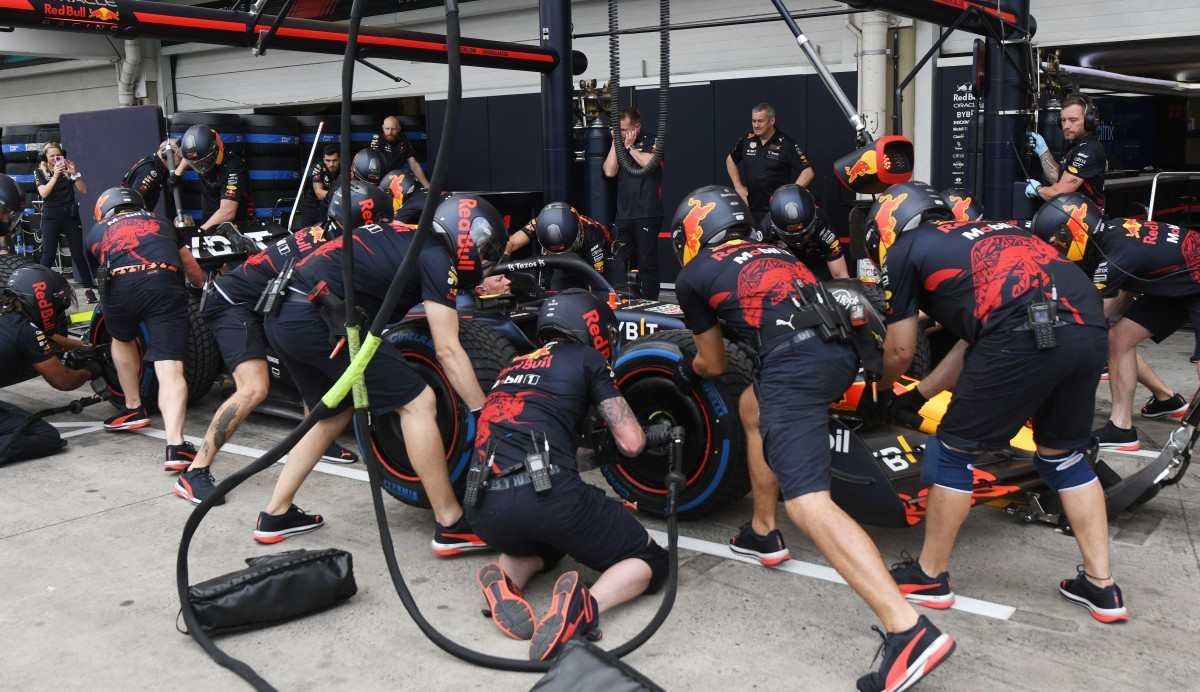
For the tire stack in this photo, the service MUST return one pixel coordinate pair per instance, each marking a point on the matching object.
(227, 125)
(308, 131)
(414, 130)
(362, 129)
(274, 157)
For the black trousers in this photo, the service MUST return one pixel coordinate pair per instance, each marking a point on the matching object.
(637, 238)
(57, 221)
(38, 439)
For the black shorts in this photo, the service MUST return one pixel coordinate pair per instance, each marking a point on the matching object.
(795, 387)
(155, 302)
(1006, 381)
(301, 340)
(237, 329)
(1163, 316)
(574, 519)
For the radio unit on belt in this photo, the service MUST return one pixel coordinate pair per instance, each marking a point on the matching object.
(477, 476)
(1041, 318)
(537, 463)
(275, 291)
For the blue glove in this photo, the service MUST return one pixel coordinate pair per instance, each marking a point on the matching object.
(1031, 189)
(1038, 143)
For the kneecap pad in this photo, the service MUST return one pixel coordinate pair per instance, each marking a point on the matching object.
(946, 467)
(1066, 472)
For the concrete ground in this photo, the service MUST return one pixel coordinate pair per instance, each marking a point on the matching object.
(88, 542)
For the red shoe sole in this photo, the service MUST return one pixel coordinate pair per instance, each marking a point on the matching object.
(127, 426)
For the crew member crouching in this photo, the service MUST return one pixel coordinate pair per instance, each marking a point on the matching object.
(535, 507)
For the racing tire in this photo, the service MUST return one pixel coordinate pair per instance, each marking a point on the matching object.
(714, 453)
(922, 358)
(11, 263)
(201, 369)
(489, 352)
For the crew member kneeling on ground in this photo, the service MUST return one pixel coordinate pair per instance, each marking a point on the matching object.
(224, 183)
(469, 235)
(233, 311)
(32, 305)
(1157, 263)
(560, 229)
(796, 221)
(145, 261)
(1037, 334)
(322, 178)
(756, 290)
(526, 437)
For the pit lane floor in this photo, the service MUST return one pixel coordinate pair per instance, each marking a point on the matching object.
(87, 556)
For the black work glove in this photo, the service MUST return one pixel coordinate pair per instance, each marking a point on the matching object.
(86, 358)
(685, 375)
(905, 408)
(875, 410)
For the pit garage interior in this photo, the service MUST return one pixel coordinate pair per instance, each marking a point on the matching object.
(88, 538)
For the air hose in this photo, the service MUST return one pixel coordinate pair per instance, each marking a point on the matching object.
(352, 379)
(628, 165)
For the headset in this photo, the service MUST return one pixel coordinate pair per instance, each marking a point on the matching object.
(1091, 120)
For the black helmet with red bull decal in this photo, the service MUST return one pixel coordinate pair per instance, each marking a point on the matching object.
(901, 208)
(709, 215)
(116, 200)
(408, 199)
(474, 233)
(577, 315)
(202, 148)
(962, 204)
(793, 211)
(368, 166)
(42, 296)
(1067, 222)
(368, 204)
(12, 202)
(557, 228)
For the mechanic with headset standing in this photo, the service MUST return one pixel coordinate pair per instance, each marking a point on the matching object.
(145, 261)
(762, 160)
(560, 229)
(314, 201)
(1157, 263)
(224, 182)
(397, 153)
(1037, 343)
(767, 298)
(533, 506)
(469, 235)
(147, 175)
(639, 208)
(233, 310)
(1083, 166)
(57, 181)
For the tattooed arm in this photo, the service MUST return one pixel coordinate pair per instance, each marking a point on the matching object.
(624, 426)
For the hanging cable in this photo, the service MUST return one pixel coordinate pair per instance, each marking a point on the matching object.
(628, 165)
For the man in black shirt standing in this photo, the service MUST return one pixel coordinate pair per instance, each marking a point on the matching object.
(639, 207)
(764, 159)
(396, 151)
(1083, 166)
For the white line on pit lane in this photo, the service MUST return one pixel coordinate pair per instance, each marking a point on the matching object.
(974, 606)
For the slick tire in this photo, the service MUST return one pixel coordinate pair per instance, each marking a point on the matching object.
(714, 454)
(489, 351)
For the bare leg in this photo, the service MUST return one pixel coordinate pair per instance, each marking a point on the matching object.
(1147, 376)
(303, 458)
(946, 511)
(620, 583)
(521, 569)
(423, 442)
(852, 553)
(128, 361)
(764, 487)
(1123, 338)
(1085, 508)
(251, 380)
(172, 397)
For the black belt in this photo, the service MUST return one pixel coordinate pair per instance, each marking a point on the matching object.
(780, 343)
(1027, 328)
(516, 480)
(295, 295)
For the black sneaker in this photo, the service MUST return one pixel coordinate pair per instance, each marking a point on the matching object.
(179, 457)
(273, 529)
(907, 657)
(769, 550)
(449, 541)
(337, 454)
(1104, 603)
(920, 588)
(1174, 407)
(573, 613)
(196, 485)
(128, 419)
(1118, 439)
(505, 605)
(90, 296)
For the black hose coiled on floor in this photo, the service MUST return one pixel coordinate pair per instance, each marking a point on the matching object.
(629, 166)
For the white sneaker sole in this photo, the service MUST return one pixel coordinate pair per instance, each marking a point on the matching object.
(932, 657)
(767, 559)
(270, 537)
(1105, 615)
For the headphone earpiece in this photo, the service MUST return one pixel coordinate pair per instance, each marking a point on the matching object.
(1090, 121)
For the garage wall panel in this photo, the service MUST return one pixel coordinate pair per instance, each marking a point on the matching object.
(42, 98)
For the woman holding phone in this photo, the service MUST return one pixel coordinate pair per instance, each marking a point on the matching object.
(57, 180)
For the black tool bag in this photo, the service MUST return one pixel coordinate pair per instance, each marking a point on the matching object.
(274, 589)
(585, 667)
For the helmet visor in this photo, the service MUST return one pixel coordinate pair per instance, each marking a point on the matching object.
(203, 164)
